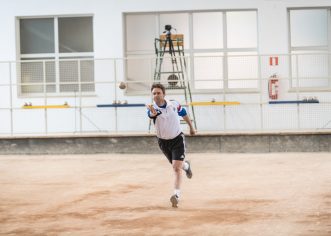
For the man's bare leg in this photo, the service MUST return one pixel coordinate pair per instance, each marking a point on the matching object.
(177, 167)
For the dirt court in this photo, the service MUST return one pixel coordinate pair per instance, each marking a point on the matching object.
(113, 194)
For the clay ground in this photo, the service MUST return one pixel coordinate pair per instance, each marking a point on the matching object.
(229, 194)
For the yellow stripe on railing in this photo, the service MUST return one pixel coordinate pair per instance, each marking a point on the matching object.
(47, 107)
(214, 103)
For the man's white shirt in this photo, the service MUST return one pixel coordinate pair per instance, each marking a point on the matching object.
(167, 122)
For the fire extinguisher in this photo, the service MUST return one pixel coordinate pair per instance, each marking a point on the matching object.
(273, 87)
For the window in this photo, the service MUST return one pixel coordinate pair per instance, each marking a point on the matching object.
(309, 45)
(232, 36)
(215, 43)
(56, 55)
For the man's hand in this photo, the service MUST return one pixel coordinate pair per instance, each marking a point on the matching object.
(192, 131)
(152, 109)
(188, 121)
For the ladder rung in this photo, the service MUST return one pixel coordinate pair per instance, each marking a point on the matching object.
(175, 87)
(167, 51)
(184, 122)
(168, 72)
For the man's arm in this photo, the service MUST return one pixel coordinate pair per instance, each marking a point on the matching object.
(182, 112)
(188, 121)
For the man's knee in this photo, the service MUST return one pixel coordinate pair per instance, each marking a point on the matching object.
(177, 167)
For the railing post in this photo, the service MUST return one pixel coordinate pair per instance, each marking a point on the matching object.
(115, 93)
(297, 89)
(45, 96)
(80, 97)
(11, 101)
(225, 86)
(261, 91)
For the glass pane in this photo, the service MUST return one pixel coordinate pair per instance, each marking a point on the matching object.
(75, 34)
(87, 75)
(37, 35)
(69, 73)
(140, 32)
(140, 71)
(179, 23)
(311, 69)
(50, 76)
(208, 70)
(33, 73)
(309, 27)
(208, 30)
(241, 29)
(242, 70)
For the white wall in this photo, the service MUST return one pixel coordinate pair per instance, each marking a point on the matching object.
(109, 43)
(108, 33)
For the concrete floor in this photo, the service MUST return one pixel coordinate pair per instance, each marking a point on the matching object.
(113, 194)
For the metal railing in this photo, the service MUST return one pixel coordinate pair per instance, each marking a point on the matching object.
(84, 97)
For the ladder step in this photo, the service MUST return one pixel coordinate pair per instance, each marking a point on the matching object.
(169, 72)
(175, 87)
(184, 122)
(167, 51)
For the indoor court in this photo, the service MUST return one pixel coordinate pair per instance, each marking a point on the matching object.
(95, 95)
(116, 194)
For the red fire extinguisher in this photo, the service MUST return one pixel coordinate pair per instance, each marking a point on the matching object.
(273, 87)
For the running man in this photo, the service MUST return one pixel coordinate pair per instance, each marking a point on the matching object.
(165, 115)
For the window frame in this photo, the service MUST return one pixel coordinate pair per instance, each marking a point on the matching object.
(58, 57)
(191, 51)
(324, 50)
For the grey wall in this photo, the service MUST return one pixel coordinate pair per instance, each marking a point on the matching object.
(241, 143)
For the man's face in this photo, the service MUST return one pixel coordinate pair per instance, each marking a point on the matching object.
(158, 96)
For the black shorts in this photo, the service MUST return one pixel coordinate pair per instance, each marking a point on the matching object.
(173, 149)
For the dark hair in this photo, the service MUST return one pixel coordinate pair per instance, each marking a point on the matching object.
(160, 86)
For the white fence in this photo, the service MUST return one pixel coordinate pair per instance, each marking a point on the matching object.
(43, 97)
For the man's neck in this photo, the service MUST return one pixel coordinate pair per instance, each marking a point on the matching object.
(162, 103)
